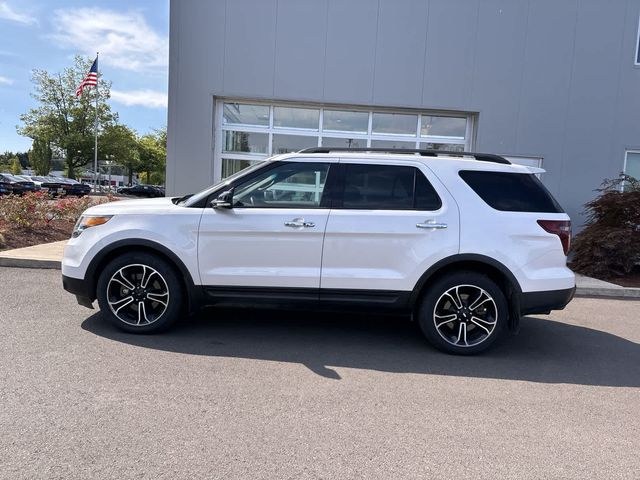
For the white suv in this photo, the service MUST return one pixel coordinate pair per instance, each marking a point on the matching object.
(466, 243)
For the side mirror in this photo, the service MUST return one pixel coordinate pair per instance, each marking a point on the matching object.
(224, 200)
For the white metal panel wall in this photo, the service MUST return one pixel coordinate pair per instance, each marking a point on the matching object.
(548, 79)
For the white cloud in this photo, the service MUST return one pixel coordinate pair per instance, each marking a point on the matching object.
(124, 40)
(8, 13)
(5, 80)
(144, 98)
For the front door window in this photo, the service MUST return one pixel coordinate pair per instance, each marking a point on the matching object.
(291, 185)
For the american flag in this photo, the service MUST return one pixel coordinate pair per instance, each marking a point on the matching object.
(91, 80)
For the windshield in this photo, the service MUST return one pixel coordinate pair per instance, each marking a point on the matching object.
(194, 199)
(12, 178)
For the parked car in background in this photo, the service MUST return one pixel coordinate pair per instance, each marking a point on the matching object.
(19, 185)
(160, 188)
(5, 187)
(27, 179)
(73, 187)
(148, 191)
(50, 185)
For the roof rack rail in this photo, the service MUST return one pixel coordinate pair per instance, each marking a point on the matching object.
(483, 157)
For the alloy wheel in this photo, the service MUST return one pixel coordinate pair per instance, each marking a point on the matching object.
(138, 295)
(465, 315)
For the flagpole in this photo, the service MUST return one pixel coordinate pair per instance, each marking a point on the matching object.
(95, 147)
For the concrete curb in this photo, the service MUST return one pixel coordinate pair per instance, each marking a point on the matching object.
(30, 263)
(623, 292)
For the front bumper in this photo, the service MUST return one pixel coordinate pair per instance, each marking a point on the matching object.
(80, 288)
(545, 301)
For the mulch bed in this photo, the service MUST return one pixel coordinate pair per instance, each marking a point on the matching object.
(55, 231)
(632, 280)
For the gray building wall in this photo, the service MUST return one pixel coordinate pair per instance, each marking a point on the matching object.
(548, 78)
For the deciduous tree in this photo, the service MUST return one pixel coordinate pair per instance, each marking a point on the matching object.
(120, 144)
(152, 150)
(16, 169)
(66, 120)
(41, 156)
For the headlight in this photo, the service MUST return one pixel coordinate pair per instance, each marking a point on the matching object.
(88, 221)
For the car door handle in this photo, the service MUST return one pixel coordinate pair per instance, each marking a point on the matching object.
(435, 225)
(299, 223)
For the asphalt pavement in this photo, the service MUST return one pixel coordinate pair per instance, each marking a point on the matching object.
(272, 395)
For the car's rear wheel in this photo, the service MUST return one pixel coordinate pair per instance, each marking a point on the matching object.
(141, 293)
(463, 313)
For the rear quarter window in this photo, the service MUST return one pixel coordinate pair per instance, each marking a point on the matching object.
(511, 192)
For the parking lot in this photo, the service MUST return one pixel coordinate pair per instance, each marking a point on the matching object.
(249, 394)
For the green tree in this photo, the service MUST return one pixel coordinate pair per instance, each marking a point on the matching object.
(24, 159)
(152, 150)
(6, 159)
(66, 120)
(120, 144)
(41, 156)
(16, 169)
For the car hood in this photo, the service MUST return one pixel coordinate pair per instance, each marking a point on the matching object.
(138, 206)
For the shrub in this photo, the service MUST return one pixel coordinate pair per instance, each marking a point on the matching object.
(609, 245)
(39, 209)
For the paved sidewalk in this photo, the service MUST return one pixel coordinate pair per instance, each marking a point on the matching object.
(49, 255)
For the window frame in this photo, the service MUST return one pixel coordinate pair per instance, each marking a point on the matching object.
(340, 184)
(220, 127)
(624, 165)
(636, 59)
(325, 201)
(626, 157)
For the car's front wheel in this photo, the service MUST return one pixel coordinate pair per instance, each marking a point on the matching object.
(463, 313)
(140, 293)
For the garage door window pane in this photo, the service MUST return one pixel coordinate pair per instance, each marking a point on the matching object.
(443, 126)
(238, 113)
(231, 166)
(449, 147)
(391, 144)
(292, 143)
(245, 142)
(395, 123)
(343, 121)
(344, 142)
(287, 117)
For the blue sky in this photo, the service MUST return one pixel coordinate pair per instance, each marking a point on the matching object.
(132, 37)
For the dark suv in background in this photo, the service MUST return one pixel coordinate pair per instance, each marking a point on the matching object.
(74, 188)
(148, 191)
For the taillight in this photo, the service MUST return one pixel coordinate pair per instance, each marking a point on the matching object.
(562, 228)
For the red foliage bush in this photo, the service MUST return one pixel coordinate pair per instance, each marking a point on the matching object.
(609, 245)
(37, 210)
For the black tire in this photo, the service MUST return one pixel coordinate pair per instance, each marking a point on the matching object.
(483, 325)
(130, 269)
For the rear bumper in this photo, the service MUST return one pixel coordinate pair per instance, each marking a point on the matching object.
(545, 301)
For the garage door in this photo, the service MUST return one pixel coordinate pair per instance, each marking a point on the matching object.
(250, 131)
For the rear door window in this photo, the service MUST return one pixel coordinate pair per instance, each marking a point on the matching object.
(387, 187)
(511, 192)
